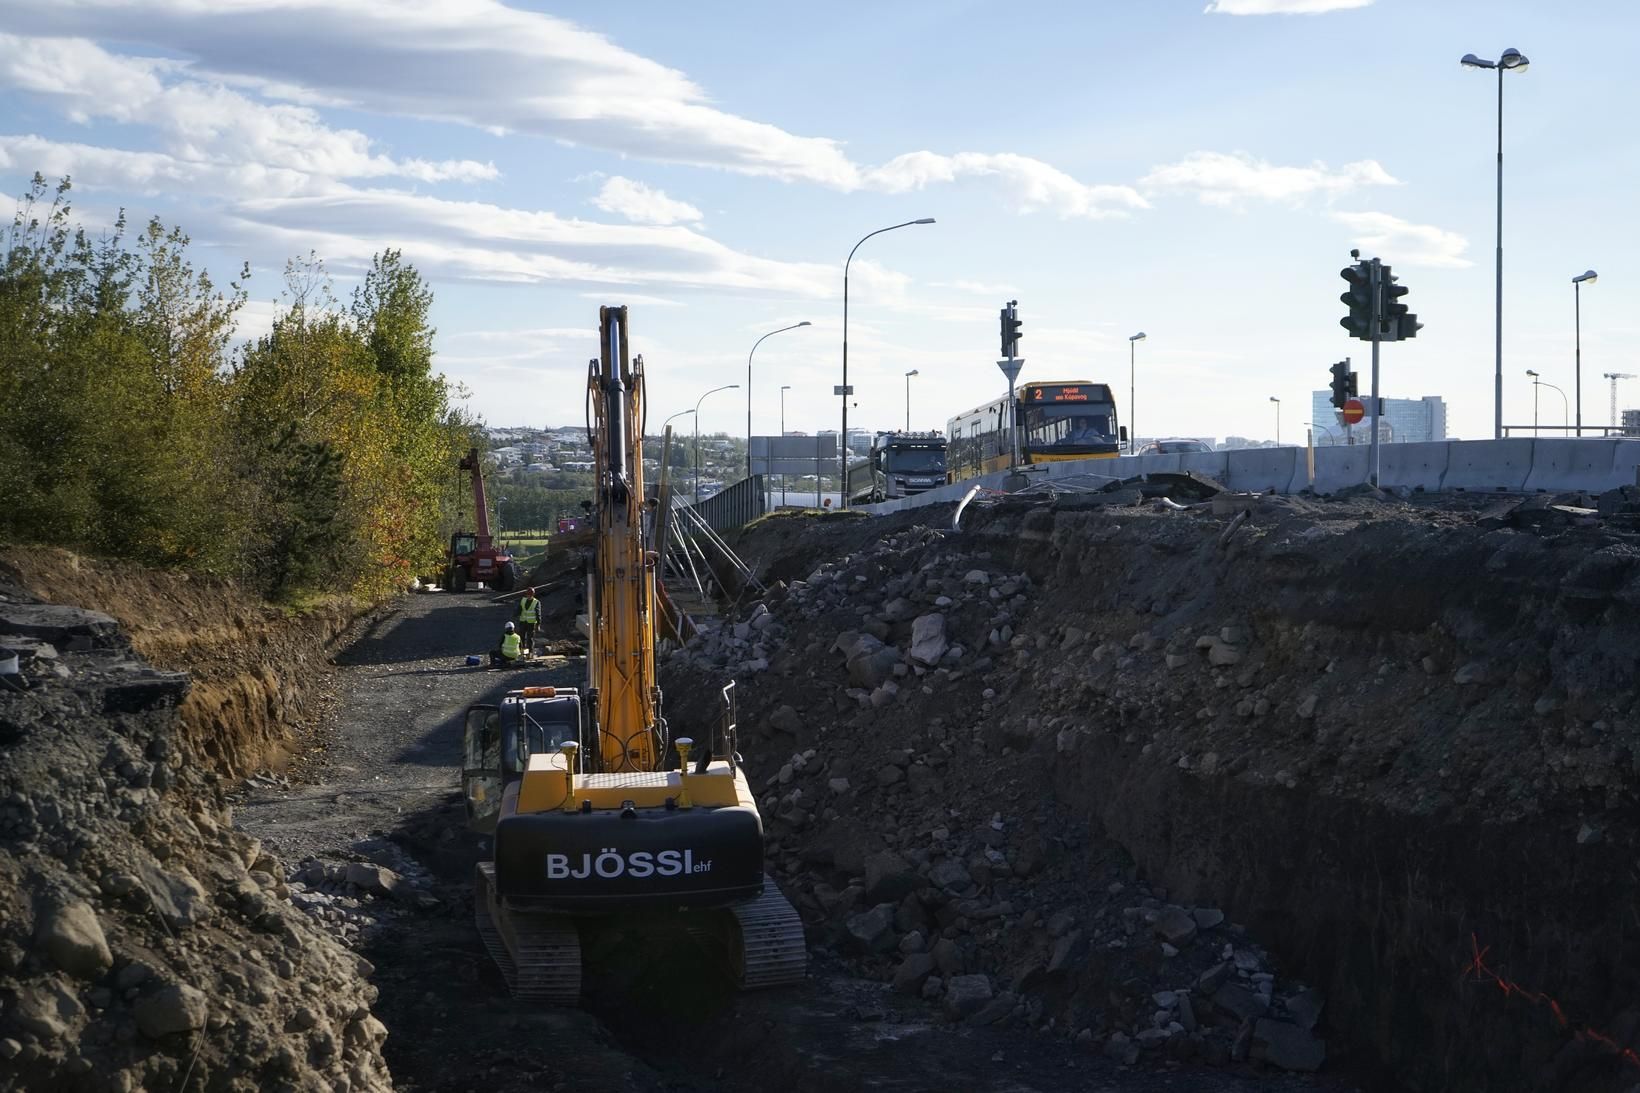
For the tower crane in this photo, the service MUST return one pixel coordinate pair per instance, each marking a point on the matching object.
(1614, 377)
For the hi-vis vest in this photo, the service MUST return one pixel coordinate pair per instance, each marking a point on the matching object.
(509, 645)
(529, 610)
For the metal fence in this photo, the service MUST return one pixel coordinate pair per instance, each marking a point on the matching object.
(732, 507)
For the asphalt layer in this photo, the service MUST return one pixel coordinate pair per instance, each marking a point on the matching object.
(385, 771)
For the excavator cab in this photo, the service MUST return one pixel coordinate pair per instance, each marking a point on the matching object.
(499, 741)
(481, 767)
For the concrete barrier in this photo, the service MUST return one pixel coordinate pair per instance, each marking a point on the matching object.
(1503, 466)
(1338, 468)
(1625, 463)
(1213, 464)
(1570, 464)
(1260, 470)
(1488, 465)
(1415, 466)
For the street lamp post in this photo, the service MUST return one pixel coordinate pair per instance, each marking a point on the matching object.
(713, 391)
(908, 376)
(1133, 425)
(1510, 59)
(1577, 336)
(666, 455)
(1533, 374)
(1331, 436)
(1565, 404)
(783, 389)
(1278, 419)
(842, 482)
(755, 344)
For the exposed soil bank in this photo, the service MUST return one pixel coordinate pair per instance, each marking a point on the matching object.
(1382, 737)
(253, 666)
(145, 943)
(1421, 747)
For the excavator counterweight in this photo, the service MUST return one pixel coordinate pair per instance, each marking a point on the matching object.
(595, 808)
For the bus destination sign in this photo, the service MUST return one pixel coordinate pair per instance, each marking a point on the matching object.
(1061, 394)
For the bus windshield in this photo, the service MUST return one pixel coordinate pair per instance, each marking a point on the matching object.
(915, 461)
(1073, 425)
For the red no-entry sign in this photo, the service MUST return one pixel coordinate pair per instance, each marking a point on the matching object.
(1353, 411)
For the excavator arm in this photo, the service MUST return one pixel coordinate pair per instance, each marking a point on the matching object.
(621, 581)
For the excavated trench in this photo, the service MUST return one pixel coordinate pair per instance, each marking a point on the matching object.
(1413, 779)
(1446, 847)
(1394, 746)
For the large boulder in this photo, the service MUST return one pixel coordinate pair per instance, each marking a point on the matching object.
(889, 876)
(175, 1007)
(73, 938)
(966, 995)
(928, 642)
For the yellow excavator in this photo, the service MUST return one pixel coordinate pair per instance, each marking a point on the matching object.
(631, 819)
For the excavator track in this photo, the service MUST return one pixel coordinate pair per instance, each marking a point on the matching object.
(773, 951)
(539, 955)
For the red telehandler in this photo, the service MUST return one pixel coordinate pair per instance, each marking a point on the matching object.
(474, 558)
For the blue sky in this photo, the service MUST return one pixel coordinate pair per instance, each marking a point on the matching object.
(1196, 174)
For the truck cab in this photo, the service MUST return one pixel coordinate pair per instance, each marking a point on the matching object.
(901, 464)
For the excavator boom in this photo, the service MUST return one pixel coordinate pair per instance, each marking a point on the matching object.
(621, 584)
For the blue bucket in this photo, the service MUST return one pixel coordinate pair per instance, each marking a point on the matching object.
(474, 662)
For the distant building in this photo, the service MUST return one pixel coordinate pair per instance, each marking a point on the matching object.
(1631, 422)
(1405, 420)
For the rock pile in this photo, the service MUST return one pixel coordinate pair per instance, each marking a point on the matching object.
(145, 944)
(917, 837)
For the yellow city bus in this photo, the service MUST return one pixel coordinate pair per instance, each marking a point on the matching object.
(1066, 419)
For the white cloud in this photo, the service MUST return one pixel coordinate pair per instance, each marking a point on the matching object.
(203, 121)
(1031, 183)
(94, 167)
(478, 63)
(280, 212)
(1402, 243)
(1281, 7)
(1224, 179)
(641, 204)
(474, 62)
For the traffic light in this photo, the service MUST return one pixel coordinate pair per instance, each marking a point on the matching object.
(1341, 376)
(1010, 329)
(1398, 323)
(1358, 298)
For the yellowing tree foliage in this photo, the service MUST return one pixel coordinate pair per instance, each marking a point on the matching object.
(322, 453)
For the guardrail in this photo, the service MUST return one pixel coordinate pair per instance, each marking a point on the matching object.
(1479, 466)
(731, 507)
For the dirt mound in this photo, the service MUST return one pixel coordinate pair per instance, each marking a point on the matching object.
(144, 944)
(1021, 769)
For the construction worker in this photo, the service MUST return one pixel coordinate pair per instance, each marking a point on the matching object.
(507, 654)
(529, 614)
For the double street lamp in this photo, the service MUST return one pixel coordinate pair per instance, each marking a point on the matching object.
(1577, 335)
(908, 376)
(696, 411)
(755, 344)
(1510, 59)
(842, 455)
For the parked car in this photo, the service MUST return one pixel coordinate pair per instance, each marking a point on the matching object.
(1174, 447)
